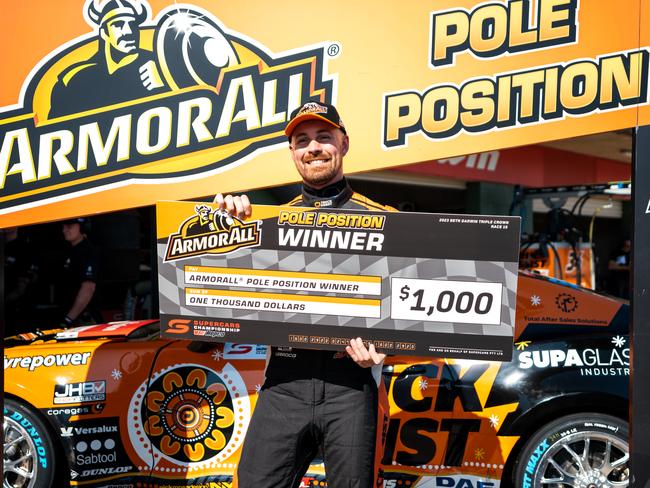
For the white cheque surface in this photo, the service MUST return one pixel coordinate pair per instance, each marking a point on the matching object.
(466, 302)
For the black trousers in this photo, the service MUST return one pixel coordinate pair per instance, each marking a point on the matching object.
(293, 420)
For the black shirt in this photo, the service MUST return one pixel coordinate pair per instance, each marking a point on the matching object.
(79, 265)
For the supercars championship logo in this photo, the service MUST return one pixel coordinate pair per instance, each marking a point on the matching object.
(211, 232)
(149, 100)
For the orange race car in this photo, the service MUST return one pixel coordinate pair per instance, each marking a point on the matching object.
(116, 406)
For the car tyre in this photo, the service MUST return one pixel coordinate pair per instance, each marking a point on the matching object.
(29, 454)
(587, 449)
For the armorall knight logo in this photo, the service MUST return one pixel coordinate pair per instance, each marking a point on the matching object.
(211, 232)
(149, 100)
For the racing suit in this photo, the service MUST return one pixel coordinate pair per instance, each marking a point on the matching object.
(314, 399)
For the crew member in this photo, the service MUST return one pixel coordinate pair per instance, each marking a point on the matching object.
(79, 275)
(119, 71)
(314, 399)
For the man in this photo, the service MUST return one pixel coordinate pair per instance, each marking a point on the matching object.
(79, 277)
(119, 71)
(314, 399)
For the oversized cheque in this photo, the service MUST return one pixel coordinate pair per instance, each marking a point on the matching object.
(411, 283)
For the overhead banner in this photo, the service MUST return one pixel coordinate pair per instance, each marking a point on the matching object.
(302, 277)
(144, 100)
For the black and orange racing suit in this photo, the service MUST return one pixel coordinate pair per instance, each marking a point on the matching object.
(314, 399)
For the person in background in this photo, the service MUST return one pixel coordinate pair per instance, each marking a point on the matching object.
(78, 287)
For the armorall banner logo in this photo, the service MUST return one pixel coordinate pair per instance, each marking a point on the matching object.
(147, 100)
(123, 103)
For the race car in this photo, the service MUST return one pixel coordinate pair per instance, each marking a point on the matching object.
(116, 405)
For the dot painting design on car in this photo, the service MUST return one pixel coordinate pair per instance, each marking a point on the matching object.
(190, 414)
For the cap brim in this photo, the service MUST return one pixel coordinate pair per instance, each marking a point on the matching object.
(288, 130)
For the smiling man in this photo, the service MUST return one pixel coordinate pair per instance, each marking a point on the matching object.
(314, 401)
(317, 149)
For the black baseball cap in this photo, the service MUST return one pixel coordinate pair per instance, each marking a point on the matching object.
(314, 111)
(76, 220)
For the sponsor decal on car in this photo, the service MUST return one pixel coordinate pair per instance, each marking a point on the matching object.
(78, 431)
(435, 424)
(590, 361)
(81, 410)
(96, 458)
(105, 471)
(95, 444)
(88, 391)
(32, 363)
(100, 429)
(244, 351)
(455, 481)
(566, 302)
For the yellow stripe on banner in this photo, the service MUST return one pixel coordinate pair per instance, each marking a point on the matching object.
(17, 118)
(282, 274)
(282, 296)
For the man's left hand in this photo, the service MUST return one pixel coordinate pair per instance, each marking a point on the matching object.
(364, 357)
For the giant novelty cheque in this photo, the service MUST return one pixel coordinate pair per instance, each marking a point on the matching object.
(410, 283)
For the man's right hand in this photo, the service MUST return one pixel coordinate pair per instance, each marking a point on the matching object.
(239, 206)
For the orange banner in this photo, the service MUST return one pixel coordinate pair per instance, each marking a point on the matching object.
(109, 105)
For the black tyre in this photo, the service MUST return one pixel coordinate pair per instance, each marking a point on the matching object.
(581, 450)
(29, 455)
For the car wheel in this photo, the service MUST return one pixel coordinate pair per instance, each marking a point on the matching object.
(29, 456)
(582, 450)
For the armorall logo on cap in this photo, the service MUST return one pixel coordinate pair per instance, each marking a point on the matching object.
(312, 108)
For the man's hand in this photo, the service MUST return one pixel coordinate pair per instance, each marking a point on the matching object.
(238, 206)
(82, 300)
(364, 357)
